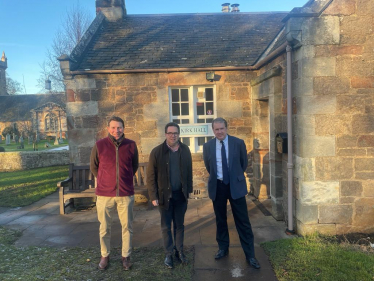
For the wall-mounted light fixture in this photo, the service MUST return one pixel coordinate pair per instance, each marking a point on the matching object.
(210, 76)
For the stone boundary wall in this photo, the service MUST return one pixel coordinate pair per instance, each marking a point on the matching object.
(13, 161)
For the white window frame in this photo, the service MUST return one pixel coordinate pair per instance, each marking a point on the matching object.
(192, 100)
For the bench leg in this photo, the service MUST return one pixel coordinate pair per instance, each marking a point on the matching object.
(62, 203)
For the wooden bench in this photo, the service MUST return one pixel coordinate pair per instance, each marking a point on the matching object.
(81, 183)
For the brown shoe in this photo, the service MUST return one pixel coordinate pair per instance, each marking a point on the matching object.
(126, 263)
(103, 264)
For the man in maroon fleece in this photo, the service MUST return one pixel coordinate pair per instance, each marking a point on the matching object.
(114, 161)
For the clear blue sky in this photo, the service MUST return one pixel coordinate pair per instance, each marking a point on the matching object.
(28, 26)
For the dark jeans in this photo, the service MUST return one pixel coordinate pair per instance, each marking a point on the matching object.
(175, 213)
(240, 213)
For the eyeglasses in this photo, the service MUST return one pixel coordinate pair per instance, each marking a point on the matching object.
(172, 134)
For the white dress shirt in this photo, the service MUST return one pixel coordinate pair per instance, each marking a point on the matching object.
(219, 157)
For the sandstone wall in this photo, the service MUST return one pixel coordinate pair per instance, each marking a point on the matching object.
(142, 100)
(13, 161)
(334, 120)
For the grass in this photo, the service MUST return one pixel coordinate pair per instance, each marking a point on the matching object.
(12, 147)
(319, 258)
(42, 263)
(21, 188)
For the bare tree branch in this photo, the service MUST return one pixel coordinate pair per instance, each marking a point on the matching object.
(13, 87)
(73, 26)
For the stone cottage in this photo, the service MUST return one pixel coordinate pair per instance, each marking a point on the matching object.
(307, 74)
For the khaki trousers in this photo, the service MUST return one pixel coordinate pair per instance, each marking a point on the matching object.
(105, 207)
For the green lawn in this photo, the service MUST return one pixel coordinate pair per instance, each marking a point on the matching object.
(29, 147)
(320, 258)
(43, 263)
(22, 188)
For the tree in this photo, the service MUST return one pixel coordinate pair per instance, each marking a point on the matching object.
(73, 26)
(13, 87)
(10, 130)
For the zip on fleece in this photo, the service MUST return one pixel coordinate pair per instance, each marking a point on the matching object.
(117, 171)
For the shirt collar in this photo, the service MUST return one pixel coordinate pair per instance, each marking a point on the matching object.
(172, 149)
(225, 140)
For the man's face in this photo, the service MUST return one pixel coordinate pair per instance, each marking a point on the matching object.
(172, 136)
(219, 130)
(115, 129)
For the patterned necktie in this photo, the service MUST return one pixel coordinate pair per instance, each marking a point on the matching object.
(225, 168)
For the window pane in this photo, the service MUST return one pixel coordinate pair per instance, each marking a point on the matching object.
(174, 95)
(200, 141)
(186, 141)
(175, 109)
(185, 109)
(209, 94)
(209, 108)
(209, 120)
(184, 94)
(185, 121)
(200, 108)
(209, 138)
(176, 121)
(200, 120)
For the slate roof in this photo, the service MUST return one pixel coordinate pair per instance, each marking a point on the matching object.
(17, 107)
(181, 41)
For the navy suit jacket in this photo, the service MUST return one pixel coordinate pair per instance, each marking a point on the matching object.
(238, 162)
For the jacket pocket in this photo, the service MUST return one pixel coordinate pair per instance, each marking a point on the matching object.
(241, 177)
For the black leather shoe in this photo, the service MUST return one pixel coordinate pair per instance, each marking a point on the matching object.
(220, 254)
(182, 257)
(169, 261)
(254, 263)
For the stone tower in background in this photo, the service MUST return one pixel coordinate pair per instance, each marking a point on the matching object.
(3, 67)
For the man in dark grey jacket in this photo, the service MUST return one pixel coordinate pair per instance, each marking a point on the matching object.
(169, 180)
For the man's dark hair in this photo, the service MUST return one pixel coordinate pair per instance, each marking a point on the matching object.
(172, 124)
(219, 120)
(117, 119)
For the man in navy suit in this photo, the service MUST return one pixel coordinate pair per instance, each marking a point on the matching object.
(225, 159)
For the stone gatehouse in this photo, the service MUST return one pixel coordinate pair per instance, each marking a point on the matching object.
(308, 73)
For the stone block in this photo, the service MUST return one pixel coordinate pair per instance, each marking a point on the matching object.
(83, 95)
(333, 124)
(125, 108)
(364, 164)
(339, 8)
(90, 121)
(305, 168)
(146, 126)
(101, 94)
(365, 7)
(364, 213)
(261, 141)
(305, 229)
(306, 51)
(305, 125)
(351, 152)
(84, 154)
(364, 124)
(352, 104)
(82, 138)
(347, 200)
(316, 104)
(334, 168)
(143, 98)
(321, 31)
(307, 214)
(276, 188)
(303, 87)
(368, 188)
(364, 175)
(223, 92)
(353, 66)
(277, 209)
(365, 141)
(317, 146)
(236, 77)
(240, 93)
(230, 109)
(331, 85)
(312, 67)
(346, 141)
(338, 214)
(338, 50)
(362, 82)
(318, 192)
(70, 95)
(352, 31)
(147, 144)
(82, 108)
(351, 188)
(85, 83)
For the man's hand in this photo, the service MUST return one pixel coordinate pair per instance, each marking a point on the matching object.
(155, 203)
